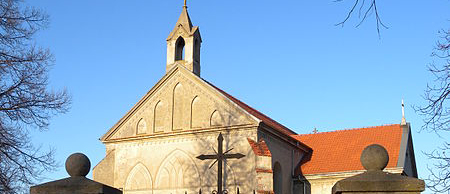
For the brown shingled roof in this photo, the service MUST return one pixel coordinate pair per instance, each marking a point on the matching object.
(340, 151)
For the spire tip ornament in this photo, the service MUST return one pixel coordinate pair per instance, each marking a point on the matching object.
(403, 114)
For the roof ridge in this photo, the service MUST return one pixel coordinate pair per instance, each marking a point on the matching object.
(240, 103)
(349, 129)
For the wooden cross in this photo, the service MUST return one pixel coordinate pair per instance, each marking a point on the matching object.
(220, 156)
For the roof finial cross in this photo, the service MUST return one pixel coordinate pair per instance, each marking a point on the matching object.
(315, 131)
(185, 3)
(403, 114)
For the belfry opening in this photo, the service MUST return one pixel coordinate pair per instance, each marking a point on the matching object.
(179, 49)
(183, 45)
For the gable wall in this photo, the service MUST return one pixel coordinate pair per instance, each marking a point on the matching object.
(180, 103)
(409, 167)
(156, 143)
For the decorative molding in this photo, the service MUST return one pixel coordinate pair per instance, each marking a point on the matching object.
(178, 156)
(244, 127)
(138, 168)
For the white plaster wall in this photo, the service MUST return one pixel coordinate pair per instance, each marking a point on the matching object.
(323, 186)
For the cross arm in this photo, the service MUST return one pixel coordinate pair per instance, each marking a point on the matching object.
(237, 156)
(205, 157)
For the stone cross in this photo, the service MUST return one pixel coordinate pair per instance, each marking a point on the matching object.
(220, 157)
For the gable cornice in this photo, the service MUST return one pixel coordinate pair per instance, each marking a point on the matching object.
(140, 102)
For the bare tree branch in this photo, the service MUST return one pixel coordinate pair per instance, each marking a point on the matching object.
(25, 100)
(369, 7)
(436, 113)
(439, 179)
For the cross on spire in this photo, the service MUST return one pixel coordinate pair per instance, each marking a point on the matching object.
(185, 3)
(220, 156)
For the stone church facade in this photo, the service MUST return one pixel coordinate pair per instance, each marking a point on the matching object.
(153, 148)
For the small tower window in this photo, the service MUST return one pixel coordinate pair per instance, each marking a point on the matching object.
(197, 50)
(179, 49)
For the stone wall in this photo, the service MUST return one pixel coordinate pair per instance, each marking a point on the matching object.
(286, 155)
(322, 184)
(169, 164)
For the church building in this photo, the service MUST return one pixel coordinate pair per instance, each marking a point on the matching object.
(157, 146)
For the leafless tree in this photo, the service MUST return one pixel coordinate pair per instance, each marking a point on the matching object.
(439, 179)
(364, 8)
(436, 113)
(26, 103)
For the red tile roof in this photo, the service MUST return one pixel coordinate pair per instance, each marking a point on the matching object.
(259, 148)
(340, 151)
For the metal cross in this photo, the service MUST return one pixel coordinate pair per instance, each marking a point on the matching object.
(185, 3)
(220, 156)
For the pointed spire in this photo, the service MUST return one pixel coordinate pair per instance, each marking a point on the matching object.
(184, 19)
(183, 44)
(403, 114)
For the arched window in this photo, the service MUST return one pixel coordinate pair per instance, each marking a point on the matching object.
(139, 180)
(196, 110)
(179, 49)
(277, 178)
(158, 121)
(216, 119)
(178, 109)
(141, 127)
(173, 173)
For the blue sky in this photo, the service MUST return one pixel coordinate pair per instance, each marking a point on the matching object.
(286, 58)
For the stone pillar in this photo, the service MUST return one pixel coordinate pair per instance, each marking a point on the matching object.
(264, 173)
(374, 159)
(78, 166)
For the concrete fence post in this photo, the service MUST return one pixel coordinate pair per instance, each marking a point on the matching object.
(374, 159)
(77, 166)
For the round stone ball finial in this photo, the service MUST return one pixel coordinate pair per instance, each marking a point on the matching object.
(78, 164)
(374, 157)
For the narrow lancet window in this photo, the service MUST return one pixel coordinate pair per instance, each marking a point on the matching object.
(179, 121)
(197, 51)
(179, 49)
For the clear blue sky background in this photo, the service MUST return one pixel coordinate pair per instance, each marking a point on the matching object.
(285, 58)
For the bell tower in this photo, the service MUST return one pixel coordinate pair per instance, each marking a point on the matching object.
(183, 44)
